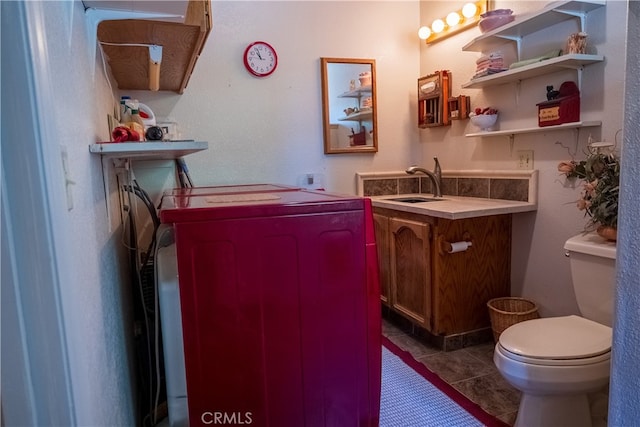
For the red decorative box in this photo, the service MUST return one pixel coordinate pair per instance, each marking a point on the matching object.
(563, 109)
(359, 138)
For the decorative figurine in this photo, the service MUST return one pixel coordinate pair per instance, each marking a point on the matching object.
(577, 43)
(552, 94)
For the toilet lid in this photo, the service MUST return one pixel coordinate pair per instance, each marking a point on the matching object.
(563, 338)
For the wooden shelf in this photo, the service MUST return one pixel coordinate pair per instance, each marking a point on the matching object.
(571, 61)
(551, 14)
(166, 150)
(181, 46)
(537, 129)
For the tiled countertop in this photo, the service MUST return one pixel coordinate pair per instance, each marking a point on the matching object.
(453, 207)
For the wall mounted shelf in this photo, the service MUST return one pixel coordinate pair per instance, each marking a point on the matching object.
(356, 93)
(166, 150)
(551, 14)
(181, 44)
(537, 129)
(358, 117)
(570, 61)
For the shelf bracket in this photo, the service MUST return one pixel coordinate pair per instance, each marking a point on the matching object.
(516, 39)
(579, 71)
(512, 139)
(580, 15)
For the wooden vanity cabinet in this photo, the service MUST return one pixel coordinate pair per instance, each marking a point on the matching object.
(410, 262)
(381, 226)
(444, 293)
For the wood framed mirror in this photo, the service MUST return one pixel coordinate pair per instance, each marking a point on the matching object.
(349, 105)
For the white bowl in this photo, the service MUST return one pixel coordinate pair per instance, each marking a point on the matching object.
(484, 121)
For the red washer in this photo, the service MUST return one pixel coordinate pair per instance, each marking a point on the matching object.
(280, 306)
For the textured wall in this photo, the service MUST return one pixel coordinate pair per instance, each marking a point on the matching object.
(95, 291)
(624, 403)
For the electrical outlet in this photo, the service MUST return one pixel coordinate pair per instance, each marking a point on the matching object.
(525, 159)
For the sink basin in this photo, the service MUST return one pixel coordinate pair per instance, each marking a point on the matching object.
(416, 199)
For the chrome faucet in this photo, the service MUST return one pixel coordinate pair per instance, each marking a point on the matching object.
(436, 176)
(438, 171)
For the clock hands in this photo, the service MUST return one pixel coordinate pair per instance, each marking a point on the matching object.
(258, 52)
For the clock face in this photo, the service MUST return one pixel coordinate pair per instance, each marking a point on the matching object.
(260, 59)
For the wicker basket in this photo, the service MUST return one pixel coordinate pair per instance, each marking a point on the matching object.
(505, 312)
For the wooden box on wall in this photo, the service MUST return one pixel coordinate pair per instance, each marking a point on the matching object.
(563, 109)
(459, 107)
(434, 91)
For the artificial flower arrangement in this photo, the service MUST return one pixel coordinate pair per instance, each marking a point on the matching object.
(600, 173)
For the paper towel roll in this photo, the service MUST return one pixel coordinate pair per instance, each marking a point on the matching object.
(459, 247)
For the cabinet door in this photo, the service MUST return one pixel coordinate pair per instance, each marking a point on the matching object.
(381, 224)
(463, 282)
(411, 270)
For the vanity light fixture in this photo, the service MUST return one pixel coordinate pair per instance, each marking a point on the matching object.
(454, 22)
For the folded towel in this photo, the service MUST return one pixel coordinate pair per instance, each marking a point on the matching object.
(551, 54)
(492, 55)
(488, 71)
(490, 64)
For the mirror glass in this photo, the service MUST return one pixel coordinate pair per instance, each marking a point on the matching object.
(349, 105)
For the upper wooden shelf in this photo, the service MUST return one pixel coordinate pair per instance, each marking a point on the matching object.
(181, 46)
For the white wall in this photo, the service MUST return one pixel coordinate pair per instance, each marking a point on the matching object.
(270, 130)
(89, 275)
(540, 270)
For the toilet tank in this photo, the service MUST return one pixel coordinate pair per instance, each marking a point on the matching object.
(593, 273)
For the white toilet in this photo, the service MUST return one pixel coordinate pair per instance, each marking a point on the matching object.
(556, 362)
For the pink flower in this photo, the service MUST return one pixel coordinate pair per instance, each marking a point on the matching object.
(566, 167)
(582, 204)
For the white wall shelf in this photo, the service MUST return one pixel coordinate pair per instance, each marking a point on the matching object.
(571, 61)
(358, 117)
(166, 150)
(356, 93)
(551, 14)
(537, 129)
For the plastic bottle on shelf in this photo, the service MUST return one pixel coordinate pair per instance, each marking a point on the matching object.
(124, 109)
(134, 121)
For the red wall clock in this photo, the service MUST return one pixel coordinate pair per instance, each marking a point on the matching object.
(260, 58)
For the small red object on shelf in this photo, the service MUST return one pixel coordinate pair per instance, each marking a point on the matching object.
(359, 138)
(124, 134)
(563, 109)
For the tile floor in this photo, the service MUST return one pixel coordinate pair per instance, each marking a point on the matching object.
(470, 370)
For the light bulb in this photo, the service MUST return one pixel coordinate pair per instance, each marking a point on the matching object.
(453, 19)
(424, 33)
(469, 10)
(437, 26)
